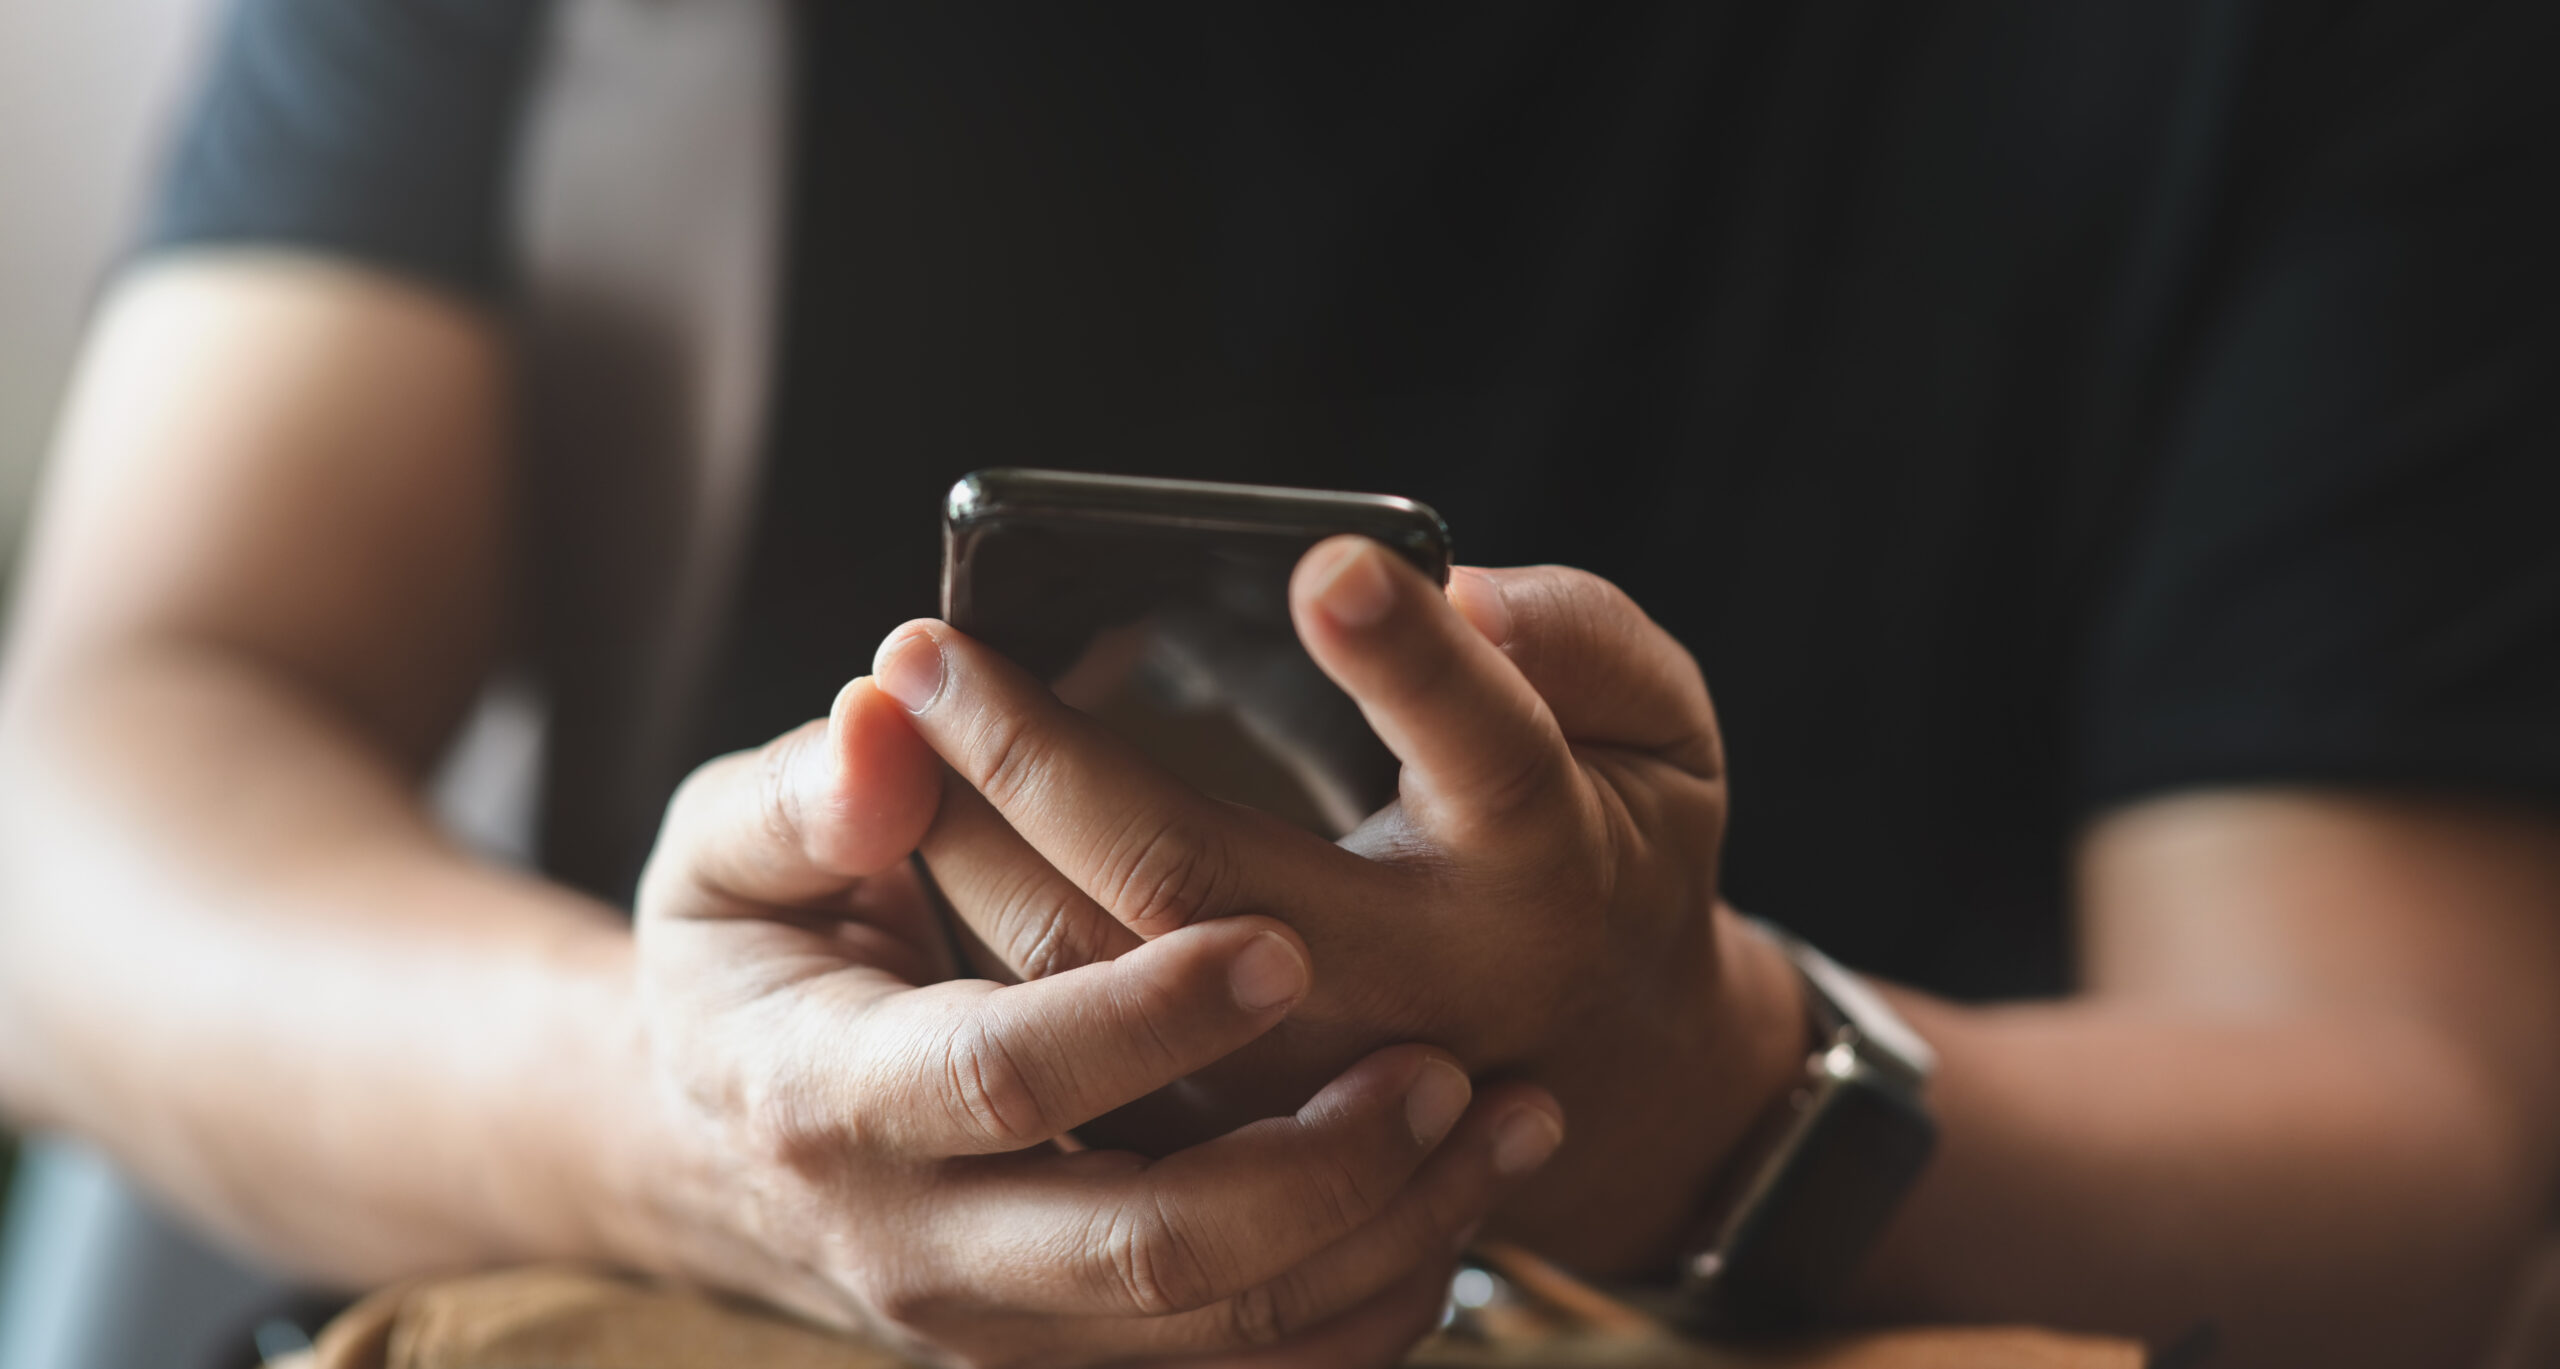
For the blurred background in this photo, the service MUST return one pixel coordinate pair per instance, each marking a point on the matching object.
(84, 91)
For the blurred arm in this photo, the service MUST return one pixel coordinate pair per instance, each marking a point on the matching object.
(2312, 1091)
(265, 584)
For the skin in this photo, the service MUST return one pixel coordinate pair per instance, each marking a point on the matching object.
(238, 953)
(2310, 1089)
(1540, 898)
(2293, 996)
(897, 1139)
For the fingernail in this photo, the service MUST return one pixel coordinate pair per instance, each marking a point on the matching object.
(1432, 1105)
(909, 669)
(1524, 1140)
(1358, 593)
(1268, 973)
(1478, 599)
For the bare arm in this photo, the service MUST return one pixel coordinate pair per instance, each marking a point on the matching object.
(265, 585)
(2312, 1091)
(233, 948)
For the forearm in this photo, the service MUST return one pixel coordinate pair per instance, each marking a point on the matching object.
(2341, 1190)
(234, 950)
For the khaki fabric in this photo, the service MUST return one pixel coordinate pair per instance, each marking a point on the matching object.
(557, 1318)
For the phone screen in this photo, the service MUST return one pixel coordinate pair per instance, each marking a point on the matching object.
(1161, 608)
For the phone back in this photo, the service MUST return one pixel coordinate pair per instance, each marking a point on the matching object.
(1161, 607)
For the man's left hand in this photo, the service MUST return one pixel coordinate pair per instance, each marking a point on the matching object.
(1541, 898)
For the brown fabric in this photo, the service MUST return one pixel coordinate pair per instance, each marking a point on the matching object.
(572, 1319)
(1922, 1348)
(577, 1319)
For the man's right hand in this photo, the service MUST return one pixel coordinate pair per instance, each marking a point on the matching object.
(269, 576)
(877, 1143)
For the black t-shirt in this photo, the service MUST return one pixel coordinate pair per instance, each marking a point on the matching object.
(2020, 407)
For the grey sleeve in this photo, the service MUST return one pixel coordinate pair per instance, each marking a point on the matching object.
(381, 131)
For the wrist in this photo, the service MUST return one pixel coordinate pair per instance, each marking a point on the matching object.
(603, 1137)
(1657, 1095)
(658, 1189)
(1793, 1214)
(630, 1167)
(1767, 1029)
(644, 1165)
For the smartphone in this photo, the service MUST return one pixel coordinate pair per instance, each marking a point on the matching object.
(1161, 607)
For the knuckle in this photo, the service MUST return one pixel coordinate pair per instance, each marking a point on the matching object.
(1428, 1228)
(990, 1095)
(1517, 809)
(1612, 603)
(1255, 1319)
(1701, 749)
(1009, 759)
(686, 824)
(1048, 930)
(1151, 1014)
(1343, 1194)
(1538, 602)
(896, 1296)
(1593, 598)
(1159, 876)
(782, 1125)
(700, 797)
(1564, 603)
(777, 810)
(1525, 787)
(1155, 1264)
(685, 806)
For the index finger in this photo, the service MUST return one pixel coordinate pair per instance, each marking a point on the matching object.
(970, 1067)
(1152, 850)
(1382, 1168)
(1483, 759)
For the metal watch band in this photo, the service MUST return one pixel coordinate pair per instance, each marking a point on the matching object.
(1834, 1160)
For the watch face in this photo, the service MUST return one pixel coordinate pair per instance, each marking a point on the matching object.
(1888, 1042)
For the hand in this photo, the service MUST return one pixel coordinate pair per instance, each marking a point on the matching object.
(1541, 899)
(874, 1141)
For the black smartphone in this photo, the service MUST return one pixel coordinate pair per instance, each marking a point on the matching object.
(1161, 607)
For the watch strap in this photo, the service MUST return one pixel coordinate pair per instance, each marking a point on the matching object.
(1833, 1160)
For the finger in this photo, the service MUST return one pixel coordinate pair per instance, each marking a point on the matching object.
(807, 814)
(1032, 919)
(1481, 752)
(1153, 851)
(1109, 1234)
(1609, 673)
(1374, 1335)
(1333, 1299)
(971, 1068)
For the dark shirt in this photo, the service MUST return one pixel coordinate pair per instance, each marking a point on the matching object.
(2020, 407)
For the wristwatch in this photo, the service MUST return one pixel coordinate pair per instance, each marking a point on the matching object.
(1816, 1178)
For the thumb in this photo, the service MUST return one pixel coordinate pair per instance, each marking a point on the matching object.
(807, 814)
